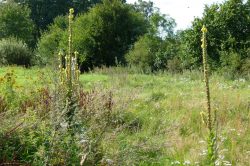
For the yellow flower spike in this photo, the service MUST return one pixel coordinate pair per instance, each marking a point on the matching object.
(71, 11)
(204, 29)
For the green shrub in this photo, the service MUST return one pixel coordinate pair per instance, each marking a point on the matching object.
(245, 68)
(144, 53)
(153, 53)
(14, 52)
(234, 64)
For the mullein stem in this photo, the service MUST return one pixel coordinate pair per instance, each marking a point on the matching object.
(69, 62)
(206, 77)
(61, 67)
(212, 136)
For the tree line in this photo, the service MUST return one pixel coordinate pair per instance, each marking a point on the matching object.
(111, 32)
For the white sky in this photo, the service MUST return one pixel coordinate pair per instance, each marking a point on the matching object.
(183, 11)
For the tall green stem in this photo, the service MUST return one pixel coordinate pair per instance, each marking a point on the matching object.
(69, 65)
(206, 77)
(211, 137)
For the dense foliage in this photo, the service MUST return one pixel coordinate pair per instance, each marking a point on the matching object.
(154, 50)
(49, 43)
(144, 52)
(228, 36)
(44, 11)
(102, 36)
(105, 31)
(15, 21)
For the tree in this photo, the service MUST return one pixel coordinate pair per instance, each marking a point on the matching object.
(152, 53)
(103, 35)
(160, 24)
(43, 12)
(49, 44)
(15, 21)
(228, 27)
(153, 50)
(144, 53)
(145, 7)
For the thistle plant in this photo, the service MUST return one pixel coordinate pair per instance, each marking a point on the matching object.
(69, 76)
(207, 118)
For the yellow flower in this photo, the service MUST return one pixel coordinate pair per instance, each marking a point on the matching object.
(203, 117)
(204, 29)
(71, 11)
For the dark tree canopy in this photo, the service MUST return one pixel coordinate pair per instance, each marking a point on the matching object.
(44, 11)
(105, 33)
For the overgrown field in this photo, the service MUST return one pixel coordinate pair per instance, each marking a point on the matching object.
(154, 120)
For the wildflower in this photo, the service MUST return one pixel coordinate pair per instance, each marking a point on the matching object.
(204, 29)
(232, 129)
(221, 157)
(71, 11)
(175, 163)
(227, 163)
(202, 141)
(187, 162)
(203, 117)
(196, 163)
(217, 162)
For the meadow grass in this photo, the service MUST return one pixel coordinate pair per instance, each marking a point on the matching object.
(164, 126)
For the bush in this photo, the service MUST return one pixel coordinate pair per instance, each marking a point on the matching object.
(144, 53)
(153, 53)
(246, 67)
(14, 52)
(15, 21)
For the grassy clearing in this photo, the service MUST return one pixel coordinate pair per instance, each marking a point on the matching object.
(162, 115)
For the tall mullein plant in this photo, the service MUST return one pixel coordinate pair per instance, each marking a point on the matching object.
(209, 121)
(69, 76)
